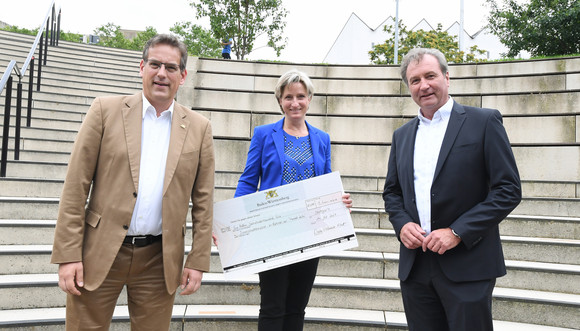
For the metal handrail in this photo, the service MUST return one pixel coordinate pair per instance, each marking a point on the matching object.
(6, 79)
(20, 73)
(37, 40)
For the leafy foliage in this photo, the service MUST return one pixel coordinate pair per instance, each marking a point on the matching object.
(138, 42)
(199, 41)
(110, 35)
(67, 36)
(439, 39)
(541, 27)
(245, 21)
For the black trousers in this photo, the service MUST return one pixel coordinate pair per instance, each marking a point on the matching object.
(434, 303)
(284, 295)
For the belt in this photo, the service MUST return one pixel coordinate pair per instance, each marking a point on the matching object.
(141, 241)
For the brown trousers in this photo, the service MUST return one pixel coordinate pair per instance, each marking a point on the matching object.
(150, 306)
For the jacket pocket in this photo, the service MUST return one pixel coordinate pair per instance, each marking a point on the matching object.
(92, 218)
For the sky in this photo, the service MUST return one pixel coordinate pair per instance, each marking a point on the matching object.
(312, 25)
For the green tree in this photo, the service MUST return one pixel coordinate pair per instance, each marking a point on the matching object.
(67, 36)
(199, 41)
(439, 39)
(110, 35)
(14, 28)
(245, 21)
(141, 38)
(541, 27)
(70, 36)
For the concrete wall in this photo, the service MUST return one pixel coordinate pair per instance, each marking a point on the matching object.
(361, 106)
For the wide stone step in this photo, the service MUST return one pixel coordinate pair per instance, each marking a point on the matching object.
(348, 128)
(485, 69)
(549, 103)
(82, 81)
(98, 65)
(62, 105)
(231, 156)
(30, 187)
(23, 41)
(523, 306)
(391, 86)
(44, 133)
(129, 78)
(547, 250)
(61, 121)
(240, 318)
(551, 277)
(564, 207)
(267, 84)
(38, 156)
(87, 89)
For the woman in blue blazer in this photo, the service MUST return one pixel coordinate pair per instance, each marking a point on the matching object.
(281, 153)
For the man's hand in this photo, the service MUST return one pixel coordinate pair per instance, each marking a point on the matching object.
(190, 281)
(412, 235)
(440, 241)
(70, 275)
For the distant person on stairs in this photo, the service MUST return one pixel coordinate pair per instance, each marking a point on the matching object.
(227, 48)
(140, 159)
(452, 178)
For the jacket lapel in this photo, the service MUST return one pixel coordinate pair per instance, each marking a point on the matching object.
(278, 137)
(407, 147)
(179, 128)
(455, 122)
(315, 145)
(132, 111)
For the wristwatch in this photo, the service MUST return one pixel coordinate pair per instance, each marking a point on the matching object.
(455, 233)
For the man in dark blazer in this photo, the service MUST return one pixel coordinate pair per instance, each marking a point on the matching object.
(452, 178)
(143, 158)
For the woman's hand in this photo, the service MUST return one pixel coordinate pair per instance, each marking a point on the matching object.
(347, 201)
(214, 239)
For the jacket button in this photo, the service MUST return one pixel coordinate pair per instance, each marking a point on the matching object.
(125, 227)
(135, 194)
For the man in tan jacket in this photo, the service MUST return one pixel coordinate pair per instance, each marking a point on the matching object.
(142, 158)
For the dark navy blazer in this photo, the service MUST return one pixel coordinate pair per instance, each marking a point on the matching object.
(475, 186)
(266, 156)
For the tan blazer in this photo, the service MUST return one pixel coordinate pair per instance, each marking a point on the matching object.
(105, 160)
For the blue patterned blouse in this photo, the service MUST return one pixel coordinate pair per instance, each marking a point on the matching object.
(298, 161)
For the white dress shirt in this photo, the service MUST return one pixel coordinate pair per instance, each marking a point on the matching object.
(155, 134)
(428, 142)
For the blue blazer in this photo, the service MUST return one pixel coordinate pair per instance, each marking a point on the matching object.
(266, 155)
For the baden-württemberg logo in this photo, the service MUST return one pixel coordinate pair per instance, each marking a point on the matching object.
(271, 194)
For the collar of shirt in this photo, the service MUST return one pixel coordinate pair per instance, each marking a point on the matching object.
(441, 114)
(147, 105)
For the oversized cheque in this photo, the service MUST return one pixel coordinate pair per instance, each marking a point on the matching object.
(282, 225)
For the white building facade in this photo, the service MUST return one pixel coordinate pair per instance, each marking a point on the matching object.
(356, 39)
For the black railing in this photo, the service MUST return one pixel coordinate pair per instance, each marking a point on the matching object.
(49, 26)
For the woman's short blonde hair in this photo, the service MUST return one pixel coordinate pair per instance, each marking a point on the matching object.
(293, 76)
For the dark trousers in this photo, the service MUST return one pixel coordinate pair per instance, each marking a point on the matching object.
(434, 303)
(284, 295)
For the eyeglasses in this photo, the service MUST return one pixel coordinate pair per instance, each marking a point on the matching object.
(156, 65)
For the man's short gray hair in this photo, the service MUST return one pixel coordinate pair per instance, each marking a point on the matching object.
(167, 39)
(416, 55)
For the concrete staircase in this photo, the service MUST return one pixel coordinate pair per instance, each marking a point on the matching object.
(359, 106)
